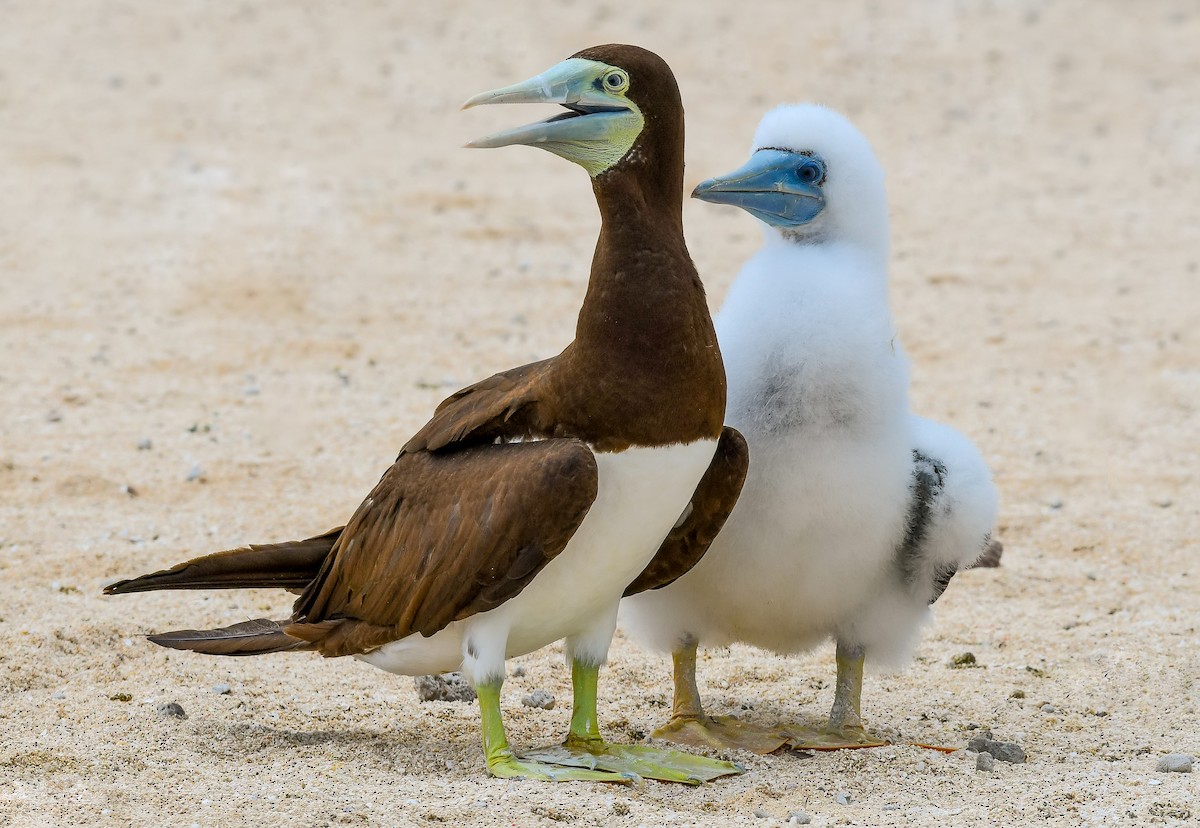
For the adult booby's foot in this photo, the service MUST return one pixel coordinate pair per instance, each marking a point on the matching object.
(844, 728)
(584, 748)
(501, 762)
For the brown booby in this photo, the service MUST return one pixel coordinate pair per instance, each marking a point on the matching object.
(531, 501)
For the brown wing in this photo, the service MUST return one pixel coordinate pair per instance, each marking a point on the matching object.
(503, 405)
(710, 506)
(443, 537)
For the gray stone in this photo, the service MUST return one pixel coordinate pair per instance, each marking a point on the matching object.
(1176, 763)
(798, 818)
(991, 556)
(172, 709)
(145, 444)
(539, 698)
(222, 689)
(444, 687)
(761, 814)
(985, 762)
(843, 798)
(59, 694)
(1003, 751)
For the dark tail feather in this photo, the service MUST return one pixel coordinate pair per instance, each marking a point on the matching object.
(247, 638)
(283, 565)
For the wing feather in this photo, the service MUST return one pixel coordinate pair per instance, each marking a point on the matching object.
(444, 536)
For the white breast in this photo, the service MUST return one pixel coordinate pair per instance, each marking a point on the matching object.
(641, 494)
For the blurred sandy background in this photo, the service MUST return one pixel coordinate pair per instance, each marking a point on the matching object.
(244, 234)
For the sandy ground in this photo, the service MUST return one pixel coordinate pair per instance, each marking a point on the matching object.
(245, 233)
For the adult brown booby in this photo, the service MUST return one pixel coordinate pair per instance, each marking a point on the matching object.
(531, 501)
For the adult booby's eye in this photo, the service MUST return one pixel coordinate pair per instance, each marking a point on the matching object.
(811, 171)
(616, 81)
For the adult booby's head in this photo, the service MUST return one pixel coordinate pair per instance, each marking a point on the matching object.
(623, 113)
(645, 309)
(811, 178)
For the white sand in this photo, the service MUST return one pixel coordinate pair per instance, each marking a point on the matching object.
(245, 232)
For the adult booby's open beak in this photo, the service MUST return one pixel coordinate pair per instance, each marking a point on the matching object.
(769, 186)
(600, 123)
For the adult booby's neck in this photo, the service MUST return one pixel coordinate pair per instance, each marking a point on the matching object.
(642, 278)
(644, 329)
(642, 180)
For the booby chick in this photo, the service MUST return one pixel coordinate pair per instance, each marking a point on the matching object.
(855, 513)
(531, 501)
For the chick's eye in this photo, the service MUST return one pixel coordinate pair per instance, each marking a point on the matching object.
(616, 81)
(810, 172)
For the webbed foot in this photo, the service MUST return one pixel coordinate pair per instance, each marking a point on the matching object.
(722, 732)
(510, 767)
(830, 737)
(664, 764)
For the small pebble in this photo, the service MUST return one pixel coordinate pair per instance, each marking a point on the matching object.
(798, 818)
(1055, 503)
(843, 798)
(222, 689)
(761, 814)
(172, 709)
(985, 762)
(963, 660)
(1176, 763)
(518, 671)
(444, 687)
(892, 806)
(195, 473)
(145, 444)
(539, 698)
(1049, 708)
(59, 694)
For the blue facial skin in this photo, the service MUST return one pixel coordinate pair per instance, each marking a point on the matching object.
(779, 187)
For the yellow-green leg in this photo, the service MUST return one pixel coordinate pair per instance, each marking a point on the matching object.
(845, 727)
(690, 726)
(584, 747)
(500, 759)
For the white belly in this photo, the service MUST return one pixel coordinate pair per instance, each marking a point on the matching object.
(641, 494)
(809, 541)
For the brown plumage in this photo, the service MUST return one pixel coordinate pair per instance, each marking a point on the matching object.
(465, 519)
(443, 537)
(290, 566)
